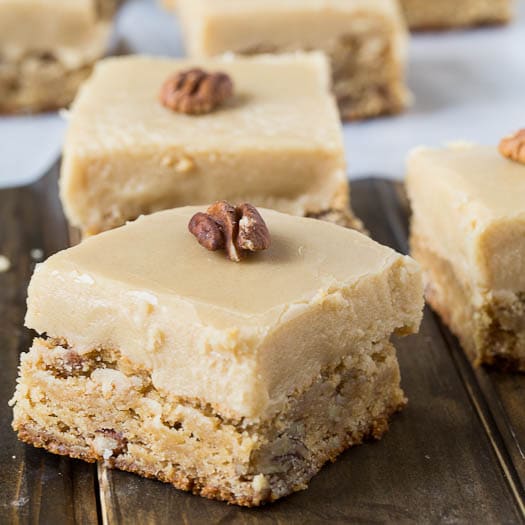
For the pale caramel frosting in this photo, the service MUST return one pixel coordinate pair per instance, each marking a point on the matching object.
(240, 336)
(217, 26)
(469, 203)
(69, 30)
(277, 142)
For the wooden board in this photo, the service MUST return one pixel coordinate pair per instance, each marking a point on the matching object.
(455, 455)
(35, 487)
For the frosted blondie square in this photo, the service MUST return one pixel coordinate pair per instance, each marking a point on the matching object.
(47, 49)
(468, 233)
(364, 39)
(277, 142)
(449, 14)
(235, 381)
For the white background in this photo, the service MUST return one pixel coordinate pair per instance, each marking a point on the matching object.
(468, 85)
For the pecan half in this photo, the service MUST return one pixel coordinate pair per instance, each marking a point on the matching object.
(207, 231)
(513, 146)
(237, 229)
(196, 91)
(253, 233)
(227, 217)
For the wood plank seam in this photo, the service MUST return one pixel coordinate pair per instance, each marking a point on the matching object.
(394, 212)
(485, 416)
(104, 495)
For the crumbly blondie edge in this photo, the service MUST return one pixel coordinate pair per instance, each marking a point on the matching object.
(100, 407)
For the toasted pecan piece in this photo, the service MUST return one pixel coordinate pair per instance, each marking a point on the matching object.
(195, 91)
(513, 146)
(237, 229)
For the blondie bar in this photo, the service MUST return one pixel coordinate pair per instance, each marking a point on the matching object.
(276, 141)
(364, 39)
(233, 380)
(468, 233)
(47, 49)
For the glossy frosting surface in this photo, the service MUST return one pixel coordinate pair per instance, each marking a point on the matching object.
(272, 109)
(239, 335)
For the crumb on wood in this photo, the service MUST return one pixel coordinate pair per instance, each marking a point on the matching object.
(5, 264)
(20, 502)
(36, 254)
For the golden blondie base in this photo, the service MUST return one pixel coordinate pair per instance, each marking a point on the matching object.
(37, 83)
(97, 406)
(448, 14)
(491, 333)
(344, 218)
(368, 79)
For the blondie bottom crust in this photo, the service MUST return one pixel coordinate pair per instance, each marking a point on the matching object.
(47, 49)
(275, 142)
(233, 380)
(365, 41)
(468, 231)
(448, 14)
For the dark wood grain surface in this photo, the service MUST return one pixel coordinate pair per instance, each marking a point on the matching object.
(35, 487)
(455, 455)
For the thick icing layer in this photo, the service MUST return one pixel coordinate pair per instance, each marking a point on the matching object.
(238, 335)
(217, 26)
(469, 206)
